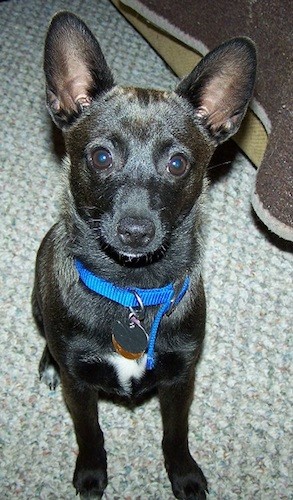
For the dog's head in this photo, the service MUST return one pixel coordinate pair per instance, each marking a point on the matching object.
(138, 157)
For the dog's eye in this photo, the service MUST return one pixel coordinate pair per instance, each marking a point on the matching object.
(177, 165)
(101, 158)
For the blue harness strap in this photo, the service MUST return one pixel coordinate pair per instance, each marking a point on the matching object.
(127, 297)
(124, 296)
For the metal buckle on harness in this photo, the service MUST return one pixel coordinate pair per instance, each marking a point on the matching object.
(138, 312)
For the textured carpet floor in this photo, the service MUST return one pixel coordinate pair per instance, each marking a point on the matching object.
(241, 418)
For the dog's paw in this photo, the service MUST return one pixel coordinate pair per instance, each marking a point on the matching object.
(48, 370)
(90, 482)
(50, 377)
(188, 481)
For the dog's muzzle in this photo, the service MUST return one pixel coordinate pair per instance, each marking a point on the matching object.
(134, 241)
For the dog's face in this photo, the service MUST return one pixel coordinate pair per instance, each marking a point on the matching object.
(138, 157)
(137, 167)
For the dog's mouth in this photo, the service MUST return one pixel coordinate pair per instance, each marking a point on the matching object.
(134, 258)
(131, 241)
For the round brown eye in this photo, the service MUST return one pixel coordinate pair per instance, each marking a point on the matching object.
(177, 165)
(101, 158)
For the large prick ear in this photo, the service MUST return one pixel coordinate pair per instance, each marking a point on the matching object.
(75, 68)
(220, 87)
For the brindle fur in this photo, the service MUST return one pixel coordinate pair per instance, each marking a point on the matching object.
(142, 129)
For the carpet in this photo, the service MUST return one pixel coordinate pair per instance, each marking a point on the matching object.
(241, 418)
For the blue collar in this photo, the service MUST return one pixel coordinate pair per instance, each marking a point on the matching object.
(167, 297)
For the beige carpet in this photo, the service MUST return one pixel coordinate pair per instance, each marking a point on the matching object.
(241, 419)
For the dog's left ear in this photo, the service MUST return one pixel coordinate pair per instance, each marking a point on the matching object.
(75, 68)
(220, 87)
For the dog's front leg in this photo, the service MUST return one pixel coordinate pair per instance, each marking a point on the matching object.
(187, 479)
(90, 476)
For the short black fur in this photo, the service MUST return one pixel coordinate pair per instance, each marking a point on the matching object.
(132, 213)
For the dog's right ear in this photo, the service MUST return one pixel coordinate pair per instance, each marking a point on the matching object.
(75, 68)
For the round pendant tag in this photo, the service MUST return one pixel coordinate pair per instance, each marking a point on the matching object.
(129, 340)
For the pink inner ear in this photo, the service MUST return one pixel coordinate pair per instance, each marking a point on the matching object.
(216, 103)
(78, 89)
(72, 92)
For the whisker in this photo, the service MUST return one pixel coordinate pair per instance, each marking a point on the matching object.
(210, 167)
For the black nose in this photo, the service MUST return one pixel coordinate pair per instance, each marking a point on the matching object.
(135, 232)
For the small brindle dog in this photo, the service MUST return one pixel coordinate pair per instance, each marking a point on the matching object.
(118, 293)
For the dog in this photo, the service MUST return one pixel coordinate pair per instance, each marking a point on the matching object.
(118, 293)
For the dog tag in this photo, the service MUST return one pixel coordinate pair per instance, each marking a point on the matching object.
(129, 339)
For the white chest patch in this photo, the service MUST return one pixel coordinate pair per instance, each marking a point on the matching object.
(127, 369)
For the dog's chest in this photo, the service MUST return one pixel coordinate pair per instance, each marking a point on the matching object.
(127, 370)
